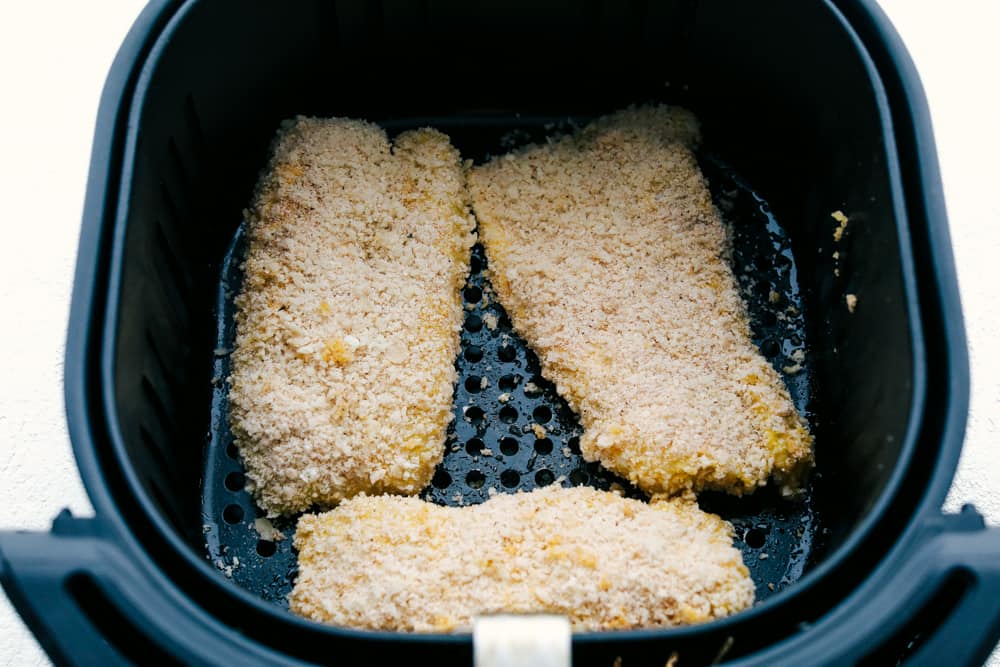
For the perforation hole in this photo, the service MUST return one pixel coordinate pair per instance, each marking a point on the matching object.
(566, 413)
(475, 415)
(232, 451)
(473, 353)
(579, 477)
(510, 478)
(542, 414)
(473, 384)
(475, 479)
(543, 446)
(544, 477)
(441, 479)
(472, 294)
(473, 323)
(266, 548)
(474, 446)
(755, 538)
(508, 446)
(508, 382)
(235, 481)
(232, 514)
(508, 414)
(506, 353)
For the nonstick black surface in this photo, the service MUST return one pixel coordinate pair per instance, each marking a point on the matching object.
(491, 447)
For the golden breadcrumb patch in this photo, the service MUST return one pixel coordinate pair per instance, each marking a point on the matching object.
(607, 252)
(347, 324)
(606, 562)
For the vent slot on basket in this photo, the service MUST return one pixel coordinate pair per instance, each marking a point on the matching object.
(164, 320)
(923, 623)
(114, 626)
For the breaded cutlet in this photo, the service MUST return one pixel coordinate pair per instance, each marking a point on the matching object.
(608, 254)
(347, 325)
(604, 561)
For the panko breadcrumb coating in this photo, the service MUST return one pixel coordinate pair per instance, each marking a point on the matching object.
(604, 561)
(348, 322)
(608, 254)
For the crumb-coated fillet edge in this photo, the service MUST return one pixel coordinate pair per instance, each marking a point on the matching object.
(604, 561)
(349, 315)
(621, 313)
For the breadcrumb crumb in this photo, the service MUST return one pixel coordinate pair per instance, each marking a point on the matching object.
(841, 219)
(266, 530)
(852, 302)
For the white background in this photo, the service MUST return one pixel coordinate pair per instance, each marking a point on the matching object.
(54, 56)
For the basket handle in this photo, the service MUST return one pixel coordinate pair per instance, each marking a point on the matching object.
(87, 603)
(936, 604)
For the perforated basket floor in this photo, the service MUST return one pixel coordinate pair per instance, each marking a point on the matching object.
(513, 432)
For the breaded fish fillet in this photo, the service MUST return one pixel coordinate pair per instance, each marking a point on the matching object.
(608, 254)
(347, 323)
(606, 562)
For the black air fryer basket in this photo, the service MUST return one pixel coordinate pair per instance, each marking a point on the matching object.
(808, 108)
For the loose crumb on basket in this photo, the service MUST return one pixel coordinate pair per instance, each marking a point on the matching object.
(610, 259)
(266, 530)
(398, 563)
(841, 219)
(348, 320)
(852, 302)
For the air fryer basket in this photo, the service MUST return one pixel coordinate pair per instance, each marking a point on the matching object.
(491, 447)
(812, 107)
